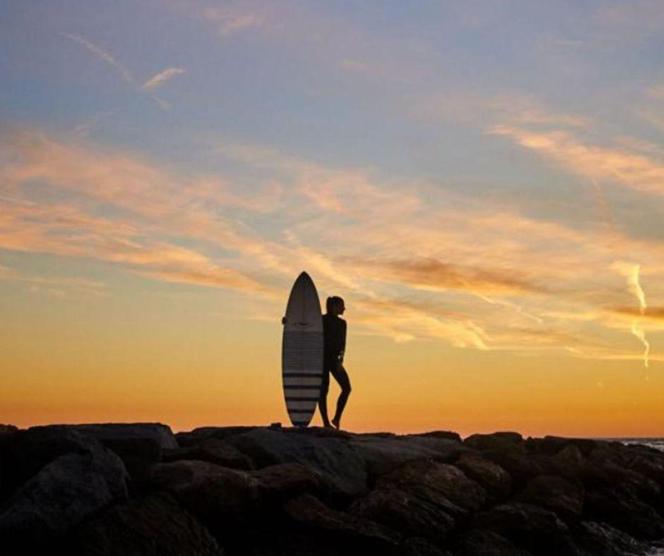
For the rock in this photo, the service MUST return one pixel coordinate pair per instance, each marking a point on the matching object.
(286, 480)
(422, 498)
(417, 546)
(602, 539)
(529, 527)
(562, 496)
(407, 513)
(200, 434)
(7, 432)
(119, 432)
(213, 450)
(61, 495)
(342, 471)
(501, 441)
(520, 466)
(383, 454)
(151, 526)
(446, 435)
(624, 511)
(29, 450)
(221, 498)
(569, 462)
(482, 542)
(495, 480)
(554, 444)
(351, 534)
(139, 445)
(437, 481)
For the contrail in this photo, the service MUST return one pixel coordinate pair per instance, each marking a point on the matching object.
(159, 79)
(101, 54)
(631, 272)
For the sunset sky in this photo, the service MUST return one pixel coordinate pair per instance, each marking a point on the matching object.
(481, 180)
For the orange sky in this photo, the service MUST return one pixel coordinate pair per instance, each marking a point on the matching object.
(486, 192)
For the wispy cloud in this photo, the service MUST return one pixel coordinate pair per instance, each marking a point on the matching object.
(629, 169)
(414, 261)
(102, 55)
(148, 87)
(159, 79)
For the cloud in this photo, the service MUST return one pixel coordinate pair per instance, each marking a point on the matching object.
(629, 169)
(102, 55)
(159, 79)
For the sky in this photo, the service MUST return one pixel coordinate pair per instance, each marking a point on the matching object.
(482, 181)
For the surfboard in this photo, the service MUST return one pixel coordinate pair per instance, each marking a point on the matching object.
(302, 351)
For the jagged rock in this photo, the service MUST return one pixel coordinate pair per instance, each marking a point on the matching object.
(520, 466)
(61, 495)
(529, 527)
(213, 450)
(501, 441)
(417, 546)
(200, 434)
(569, 462)
(139, 445)
(6, 434)
(29, 450)
(222, 498)
(601, 539)
(492, 477)
(408, 513)
(482, 542)
(554, 444)
(341, 469)
(562, 496)
(446, 435)
(624, 511)
(286, 480)
(383, 454)
(437, 481)
(351, 534)
(151, 526)
(422, 498)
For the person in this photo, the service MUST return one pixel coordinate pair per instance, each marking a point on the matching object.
(334, 333)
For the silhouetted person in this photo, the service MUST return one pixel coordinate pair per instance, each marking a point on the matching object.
(334, 331)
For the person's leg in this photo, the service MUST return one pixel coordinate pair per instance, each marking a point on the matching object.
(322, 401)
(341, 376)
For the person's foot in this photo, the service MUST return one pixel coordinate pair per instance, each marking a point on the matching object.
(327, 425)
(336, 422)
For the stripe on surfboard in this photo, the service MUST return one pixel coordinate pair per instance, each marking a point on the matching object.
(300, 399)
(297, 374)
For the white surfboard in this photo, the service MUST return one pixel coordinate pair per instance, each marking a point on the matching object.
(302, 351)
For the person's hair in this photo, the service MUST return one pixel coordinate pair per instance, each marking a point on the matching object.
(334, 301)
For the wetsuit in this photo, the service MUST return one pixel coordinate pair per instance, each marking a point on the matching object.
(334, 332)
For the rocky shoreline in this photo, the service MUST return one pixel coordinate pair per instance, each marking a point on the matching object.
(140, 489)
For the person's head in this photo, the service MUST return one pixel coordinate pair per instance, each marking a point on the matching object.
(335, 305)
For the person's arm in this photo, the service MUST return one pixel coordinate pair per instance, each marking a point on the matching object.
(342, 340)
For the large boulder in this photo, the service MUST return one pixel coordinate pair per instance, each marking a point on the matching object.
(139, 445)
(408, 513)
(500, 441)
(383, 454)
(350, 534)
(437, 481)
(61, 495)
(562, 496)
(495, 480)
(342, 471)
(602, 539)
(222, 498)
(7, 432)
(27, 451)
(417, 546)
(152, 526)
(277, 483)
(529, 527)
(422, 498)
(213, 450)
(482, 542)
(624, 511)
(200, 434)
